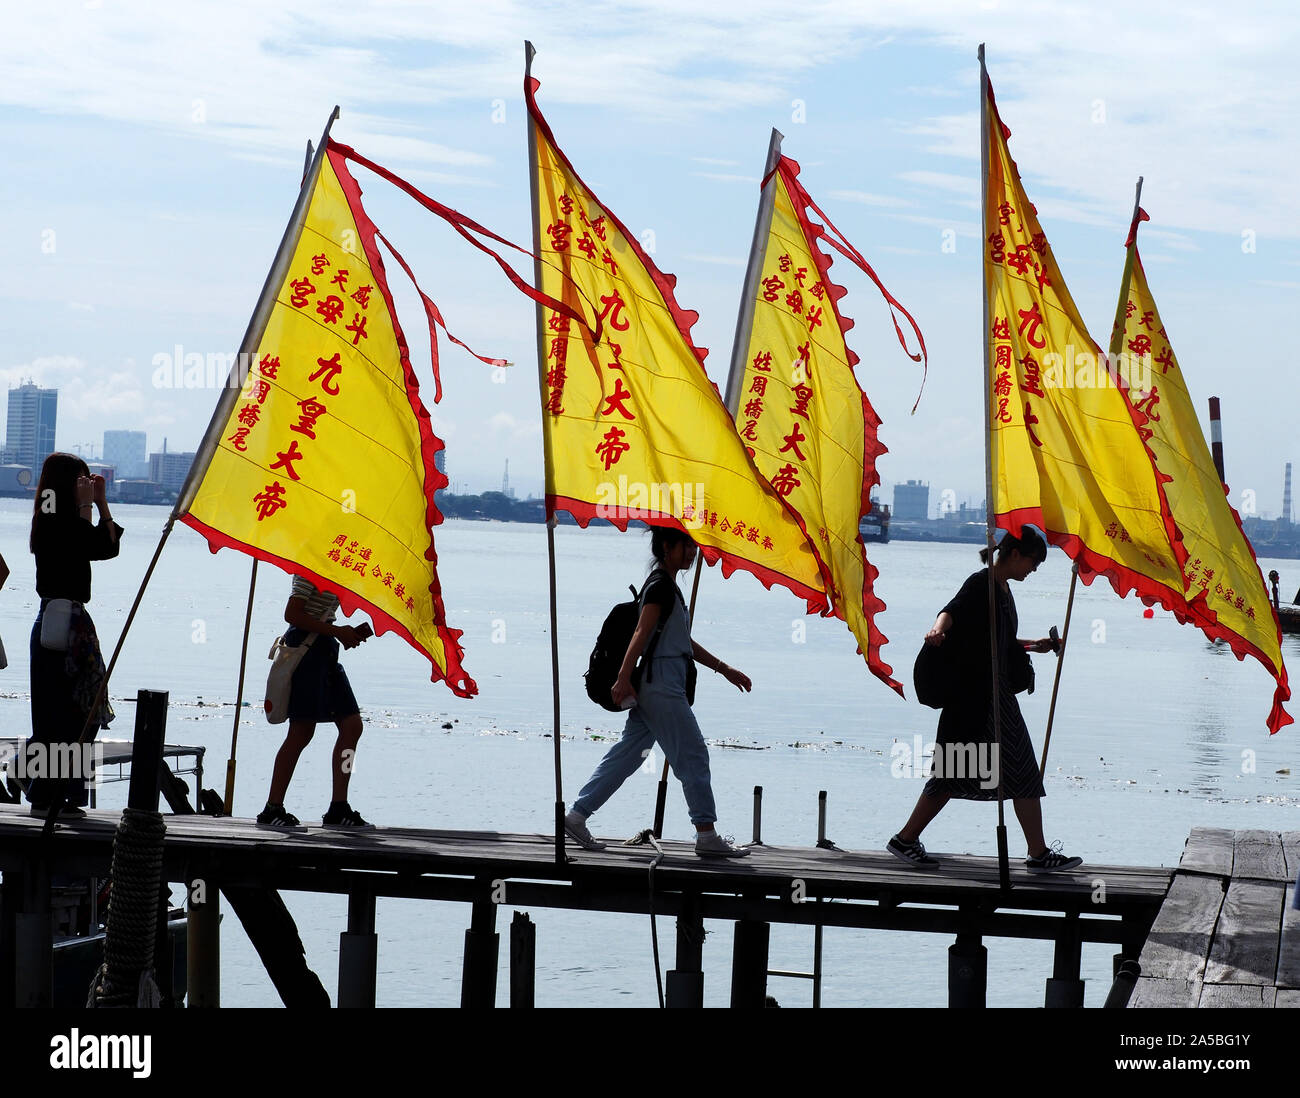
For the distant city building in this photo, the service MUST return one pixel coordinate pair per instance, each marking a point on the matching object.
(911, 501)
(30, 434)
(125, 451)
(169, 470)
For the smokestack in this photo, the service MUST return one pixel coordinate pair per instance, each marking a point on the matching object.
(1216, 439)
(1286, 496)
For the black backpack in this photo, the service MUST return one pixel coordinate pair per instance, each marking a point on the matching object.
(611, 647)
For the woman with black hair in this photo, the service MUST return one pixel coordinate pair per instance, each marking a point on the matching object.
(67, 668)
(662, 712)
(966, 726)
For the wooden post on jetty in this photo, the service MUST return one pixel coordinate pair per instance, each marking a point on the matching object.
(33, 957)
(685, 983)
(479, 975)
(359, 951)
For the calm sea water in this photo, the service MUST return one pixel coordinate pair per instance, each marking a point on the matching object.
(1157, 731)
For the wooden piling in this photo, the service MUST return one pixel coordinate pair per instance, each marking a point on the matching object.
(479, 972)
(523, 961)
(968, 971)
(749, 962)
(359, 952)
(685, 982)
(1065, 989)
(203, 945)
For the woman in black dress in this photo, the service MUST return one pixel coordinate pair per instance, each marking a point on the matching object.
(966, 729)
(67, 667)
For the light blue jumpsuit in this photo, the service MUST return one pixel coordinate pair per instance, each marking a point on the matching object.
(661, 715)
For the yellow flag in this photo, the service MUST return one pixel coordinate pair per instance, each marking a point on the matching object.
(633, 428)
(805, 419)
(1067, 456)
(1225, 585)
(324, 465)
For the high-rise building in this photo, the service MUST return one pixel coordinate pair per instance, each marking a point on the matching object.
(170, 469)
(125, 451)
(30, 433)
(911, 501)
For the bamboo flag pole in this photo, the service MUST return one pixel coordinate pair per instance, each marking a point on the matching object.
(1004, 868)
(212, 437)
(529, 54)
(1060, 660)
(736, 373)
(229, 800)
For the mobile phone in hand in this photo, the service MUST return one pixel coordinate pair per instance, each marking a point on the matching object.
(364, 630)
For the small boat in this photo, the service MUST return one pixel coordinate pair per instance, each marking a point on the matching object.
(875, 523)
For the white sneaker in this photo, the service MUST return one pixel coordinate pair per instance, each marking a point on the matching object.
(709, 844)
(575, 826)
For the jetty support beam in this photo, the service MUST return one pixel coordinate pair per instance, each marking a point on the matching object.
(685, 983)
(359, 952)
(33, 957)
(482, 942)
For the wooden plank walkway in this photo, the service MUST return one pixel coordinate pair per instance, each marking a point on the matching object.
(436, 864)
(1226, 935)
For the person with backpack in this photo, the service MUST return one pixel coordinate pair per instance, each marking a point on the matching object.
(967, 718)
(662, 689)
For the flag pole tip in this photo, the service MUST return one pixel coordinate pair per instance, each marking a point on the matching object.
(980, 53)
(334, 117)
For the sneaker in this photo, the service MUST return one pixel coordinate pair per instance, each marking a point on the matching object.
(709, 844)
(67, 812)
(344, 817)
(913, 853)
(274, 815)
(1052, 861)
(575, 827)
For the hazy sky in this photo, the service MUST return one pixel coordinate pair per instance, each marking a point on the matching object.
(153, 153)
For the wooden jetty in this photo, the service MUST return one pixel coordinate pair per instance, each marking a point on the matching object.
(485, 870)
(1226, 935)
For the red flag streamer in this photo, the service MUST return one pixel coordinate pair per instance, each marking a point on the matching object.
(434, 316)
(841, 244)
(467, 227)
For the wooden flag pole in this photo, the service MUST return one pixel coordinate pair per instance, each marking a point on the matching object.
(548, 457)
(1004, 868)
(736, 372)
(248, 619)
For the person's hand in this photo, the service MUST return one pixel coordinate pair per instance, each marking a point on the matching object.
(85, 491)
(346, 635)
(621, 691)
(100, 488)
(1043, 644)
(934, 637)
(737, 678)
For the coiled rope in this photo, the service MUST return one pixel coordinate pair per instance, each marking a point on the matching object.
(125, 979)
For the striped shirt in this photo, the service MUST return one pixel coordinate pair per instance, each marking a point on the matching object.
(320, 604)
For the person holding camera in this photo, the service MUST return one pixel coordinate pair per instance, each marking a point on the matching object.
(320, 692)
(67, 668)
